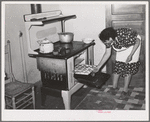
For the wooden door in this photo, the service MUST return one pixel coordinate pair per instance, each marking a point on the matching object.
(132, 16)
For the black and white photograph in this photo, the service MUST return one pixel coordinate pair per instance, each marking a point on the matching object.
(74, 60)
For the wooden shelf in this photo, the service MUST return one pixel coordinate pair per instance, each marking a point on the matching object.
(52, 19)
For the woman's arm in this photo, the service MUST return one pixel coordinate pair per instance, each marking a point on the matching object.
(104, 59)
(138, 41)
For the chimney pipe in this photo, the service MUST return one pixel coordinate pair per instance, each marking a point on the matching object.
(36, 8)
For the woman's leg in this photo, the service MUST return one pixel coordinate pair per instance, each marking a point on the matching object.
(115, 80)
(125, 92)
(127, 82)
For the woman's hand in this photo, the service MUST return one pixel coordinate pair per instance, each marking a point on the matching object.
(129, 58)
(96, 69)
(138, 41)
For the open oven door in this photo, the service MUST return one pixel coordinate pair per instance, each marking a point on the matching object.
(98, 80)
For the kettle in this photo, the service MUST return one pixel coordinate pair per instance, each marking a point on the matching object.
(46, 46)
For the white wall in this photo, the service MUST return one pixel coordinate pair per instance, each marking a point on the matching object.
(13, 24)
(89, 23)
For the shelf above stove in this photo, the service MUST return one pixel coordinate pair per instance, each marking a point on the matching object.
(50, 16)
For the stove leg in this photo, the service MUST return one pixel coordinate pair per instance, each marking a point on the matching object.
(66, 99)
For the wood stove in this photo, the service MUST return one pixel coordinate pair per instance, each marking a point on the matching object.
(57, 72)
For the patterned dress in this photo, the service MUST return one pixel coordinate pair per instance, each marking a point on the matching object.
(123, 47)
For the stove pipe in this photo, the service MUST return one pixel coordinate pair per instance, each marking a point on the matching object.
(36, 8)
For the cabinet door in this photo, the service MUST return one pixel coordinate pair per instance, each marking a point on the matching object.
(132, 16)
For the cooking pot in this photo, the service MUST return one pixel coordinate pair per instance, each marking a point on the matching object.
(66, 37)
(46, 46)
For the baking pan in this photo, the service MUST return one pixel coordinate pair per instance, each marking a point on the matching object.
(98, 80)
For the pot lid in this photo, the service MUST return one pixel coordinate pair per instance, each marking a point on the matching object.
(44, 41)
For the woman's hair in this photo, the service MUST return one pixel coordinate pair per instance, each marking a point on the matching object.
(107, 33)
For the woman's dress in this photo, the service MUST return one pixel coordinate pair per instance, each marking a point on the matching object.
(126, 39)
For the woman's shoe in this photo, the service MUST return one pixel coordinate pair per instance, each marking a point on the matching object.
(124, 95)
(113, 90)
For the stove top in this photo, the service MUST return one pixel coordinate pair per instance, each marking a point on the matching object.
(68, 50)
